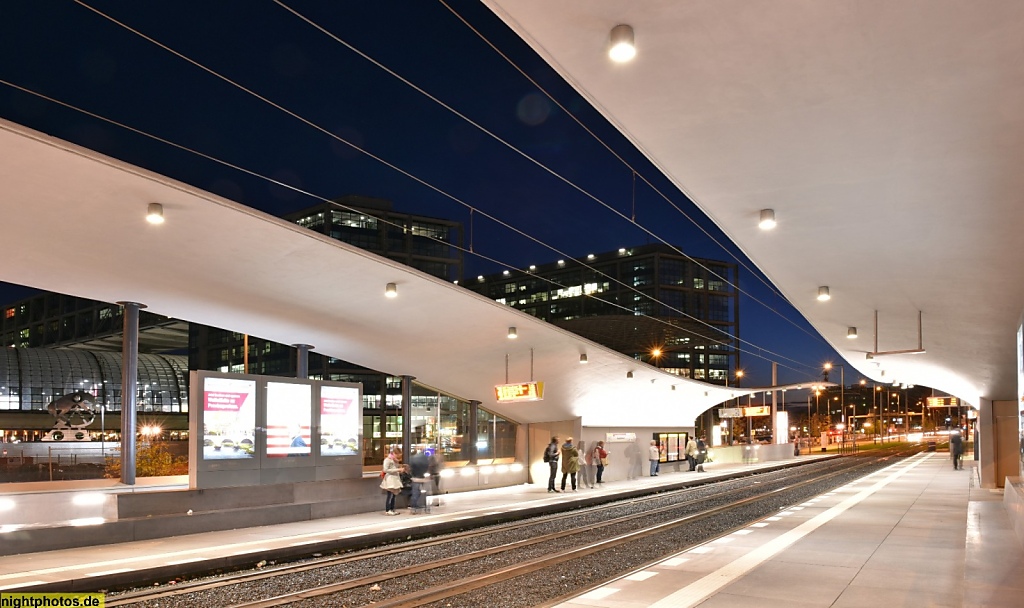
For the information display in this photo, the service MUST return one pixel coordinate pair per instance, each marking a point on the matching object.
(524, 391)
(341, 416)
(943, 402)
(289, 419)
(229, 414)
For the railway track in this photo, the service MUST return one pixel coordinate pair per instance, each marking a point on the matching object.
(465, 568)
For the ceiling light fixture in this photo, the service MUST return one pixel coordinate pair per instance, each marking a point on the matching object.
(155, 213)
(512, 334)
(851, 333)
(391, 290)
(629, 374)
(767, 219)
(622, 46)
(823, 294)
(583, 358)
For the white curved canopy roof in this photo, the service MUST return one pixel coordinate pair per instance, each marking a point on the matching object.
(887, 136)
(74, 223)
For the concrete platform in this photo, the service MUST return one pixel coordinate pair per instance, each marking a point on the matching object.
(917, 534)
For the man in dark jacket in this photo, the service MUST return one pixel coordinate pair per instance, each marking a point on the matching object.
(551, 457)
(956, 448)
(419, 467)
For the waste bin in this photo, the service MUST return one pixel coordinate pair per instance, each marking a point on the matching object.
(931, 446)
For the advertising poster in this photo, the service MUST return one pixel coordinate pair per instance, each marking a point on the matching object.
(341, 416)
(289, 419)
(229, 418)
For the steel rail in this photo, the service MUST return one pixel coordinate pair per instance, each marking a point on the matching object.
(327, 562)
(473, 582)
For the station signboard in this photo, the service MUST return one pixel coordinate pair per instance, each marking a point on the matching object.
(523, 391)
(743, 412)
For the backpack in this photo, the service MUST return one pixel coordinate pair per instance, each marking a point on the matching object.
(547, 456)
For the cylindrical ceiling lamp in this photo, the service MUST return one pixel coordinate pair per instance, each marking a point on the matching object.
(583, 358)
(823, 294)
(391, 290)
(767, 219)
(622, 46)
(851, 333)
(512, 334)
(155, 213)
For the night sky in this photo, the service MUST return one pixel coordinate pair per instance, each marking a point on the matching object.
(415, 84)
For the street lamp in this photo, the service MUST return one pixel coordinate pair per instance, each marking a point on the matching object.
(842, 386)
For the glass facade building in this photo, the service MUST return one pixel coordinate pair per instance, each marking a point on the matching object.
(53, 319)
(36, 376)
(678, 313)
(428, 244)
(32, 378)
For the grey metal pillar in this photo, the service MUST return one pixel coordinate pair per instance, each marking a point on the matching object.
(302, 360)
(474, 408)
(778, 435)
(129, 389)
(407, 415)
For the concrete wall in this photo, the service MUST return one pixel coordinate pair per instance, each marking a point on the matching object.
(999, 439)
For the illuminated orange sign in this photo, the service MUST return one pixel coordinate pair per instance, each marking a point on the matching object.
(943, 402)
(524, 391)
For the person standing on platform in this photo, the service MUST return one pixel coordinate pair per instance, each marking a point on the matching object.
(586, 467)
(691, 453)
(702, 454)
(436, 464)
(570, 462)
(600, 457)
(419, 468)
(956, 448)
(551, 457)
(655, 457)
(392, 482)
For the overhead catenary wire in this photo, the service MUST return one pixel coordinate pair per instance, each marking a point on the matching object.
(423, 182)
(635, 173)
(758, 354)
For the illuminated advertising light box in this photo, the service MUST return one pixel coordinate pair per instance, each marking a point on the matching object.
(759, 410)
(730, 412)
(524, 391)
(229, 414)
(341, 417)
(289, 419)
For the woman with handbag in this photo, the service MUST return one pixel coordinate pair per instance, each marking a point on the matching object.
(392, 482)
(600, 457)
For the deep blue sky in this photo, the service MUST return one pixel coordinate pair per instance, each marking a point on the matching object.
(69, 53)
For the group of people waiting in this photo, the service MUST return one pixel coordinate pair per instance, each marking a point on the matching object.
(696, 452)
(422, 472)
(575, 460)
(414, 479)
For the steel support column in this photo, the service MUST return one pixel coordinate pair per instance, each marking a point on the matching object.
(129, 389)
(407, 415)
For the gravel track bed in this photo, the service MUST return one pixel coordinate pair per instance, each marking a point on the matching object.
(527, 591)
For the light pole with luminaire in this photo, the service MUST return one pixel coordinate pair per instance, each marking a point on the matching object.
(842, 387)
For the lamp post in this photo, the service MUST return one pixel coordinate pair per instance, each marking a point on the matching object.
(732, 431)
(842, 386)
